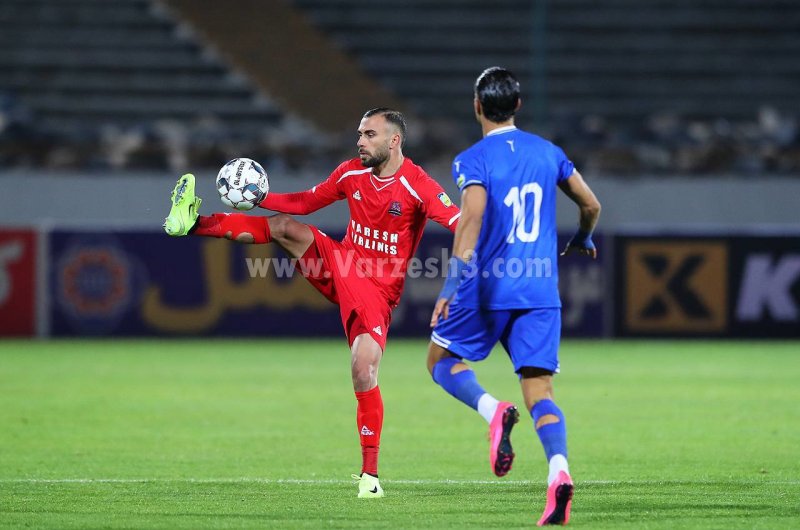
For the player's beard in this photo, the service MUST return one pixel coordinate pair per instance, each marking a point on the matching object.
(380, 156)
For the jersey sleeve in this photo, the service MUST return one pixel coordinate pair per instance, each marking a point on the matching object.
(565, 166)
(468, 170)
(305, 202)
(437, 205)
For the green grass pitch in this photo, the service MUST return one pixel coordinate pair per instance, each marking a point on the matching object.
(235, 434)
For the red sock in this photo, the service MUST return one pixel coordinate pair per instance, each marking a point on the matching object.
(221, 224)
(370, 422)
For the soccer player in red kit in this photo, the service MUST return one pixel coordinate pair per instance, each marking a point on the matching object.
(390, 200)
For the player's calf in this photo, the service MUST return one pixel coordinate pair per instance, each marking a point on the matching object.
(234, 226)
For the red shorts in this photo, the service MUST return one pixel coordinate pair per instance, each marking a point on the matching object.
(362, 305)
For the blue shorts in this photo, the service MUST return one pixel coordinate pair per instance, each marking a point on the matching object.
(529, 336)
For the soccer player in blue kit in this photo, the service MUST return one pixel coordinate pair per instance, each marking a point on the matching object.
(502, 279)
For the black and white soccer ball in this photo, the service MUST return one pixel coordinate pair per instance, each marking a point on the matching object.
(242, 183)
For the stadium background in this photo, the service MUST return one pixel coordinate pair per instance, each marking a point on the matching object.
(681, 115)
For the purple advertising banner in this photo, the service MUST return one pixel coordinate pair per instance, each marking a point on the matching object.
(145, 283)
(134, 283)
(585, 291)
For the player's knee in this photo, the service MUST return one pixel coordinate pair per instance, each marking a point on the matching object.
(365, 361)
(289, 230)
(363, 374)
(435, 354)
(537, 385)
(280, 225)
(440, 359)
(431, 363)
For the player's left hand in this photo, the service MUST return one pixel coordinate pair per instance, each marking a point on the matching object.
(441, 309)
(570, 249)
(582, 244)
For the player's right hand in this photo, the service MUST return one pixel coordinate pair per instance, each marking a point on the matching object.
(455, 273)
(441, 309)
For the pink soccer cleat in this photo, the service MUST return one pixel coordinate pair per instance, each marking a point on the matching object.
(559, 501)
(501, 456)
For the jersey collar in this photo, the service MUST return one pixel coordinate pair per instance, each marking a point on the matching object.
(383, 182)
(502, 130)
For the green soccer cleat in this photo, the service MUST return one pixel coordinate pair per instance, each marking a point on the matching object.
(368, 486)
(183, 214)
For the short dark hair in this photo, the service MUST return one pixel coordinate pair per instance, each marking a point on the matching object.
(497, 90)
(395, 117)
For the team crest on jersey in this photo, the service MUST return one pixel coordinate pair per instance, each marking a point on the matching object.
(445, 200)
(394, 209)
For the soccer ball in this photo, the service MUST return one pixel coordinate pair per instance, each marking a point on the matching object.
(242, 183)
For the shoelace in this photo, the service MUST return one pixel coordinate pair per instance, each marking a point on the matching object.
(179, 193)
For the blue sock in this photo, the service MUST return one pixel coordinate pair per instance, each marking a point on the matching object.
(552, 435)
(463, 386)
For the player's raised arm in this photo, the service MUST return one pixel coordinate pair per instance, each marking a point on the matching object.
(305, 202)
(576, 189)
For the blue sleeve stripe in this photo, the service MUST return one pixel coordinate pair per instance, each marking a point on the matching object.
(471, 182)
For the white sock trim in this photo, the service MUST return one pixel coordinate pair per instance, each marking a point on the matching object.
(557, 464)
(487, 405)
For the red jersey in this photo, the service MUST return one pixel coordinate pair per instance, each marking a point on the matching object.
(387, 216)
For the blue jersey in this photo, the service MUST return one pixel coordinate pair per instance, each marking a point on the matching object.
(516, 257)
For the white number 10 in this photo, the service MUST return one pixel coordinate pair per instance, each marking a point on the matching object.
(516, 199)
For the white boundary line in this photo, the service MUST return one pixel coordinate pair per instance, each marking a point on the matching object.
(278, 481)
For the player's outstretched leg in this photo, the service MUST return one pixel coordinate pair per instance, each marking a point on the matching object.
(458, 380)
(294, 237)
(183, 213)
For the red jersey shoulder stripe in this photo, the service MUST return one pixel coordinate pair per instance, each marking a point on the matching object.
(411, 190)
(352, 172)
